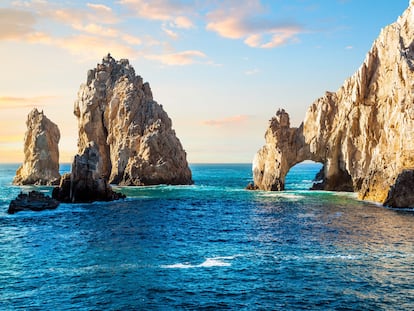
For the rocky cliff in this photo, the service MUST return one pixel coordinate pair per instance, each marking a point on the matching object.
(41, 152)
(363, 133)
(134, 135)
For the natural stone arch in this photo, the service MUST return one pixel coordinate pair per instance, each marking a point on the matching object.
(285, 147)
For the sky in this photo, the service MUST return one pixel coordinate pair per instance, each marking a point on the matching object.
(221, 69)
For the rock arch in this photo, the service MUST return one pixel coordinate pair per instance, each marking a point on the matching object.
(287, 146)
(362, 133)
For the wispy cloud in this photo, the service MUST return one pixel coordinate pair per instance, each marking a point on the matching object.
(238, 119)
(15, 102)
(174, 14)
(247, 21)
(92, 30)
(15, 23)
(87, 29)
(161, 10)
(99, 7)
(179, 58)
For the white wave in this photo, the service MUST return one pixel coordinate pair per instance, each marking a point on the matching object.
(214, 262)
(208, 263)
(178, 266)
(284, 195)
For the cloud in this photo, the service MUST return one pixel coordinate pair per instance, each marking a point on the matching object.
(15, 102)
(170, 33)
(183, 22)
(99, 7)
(86, 29)
(15, 24)
(180, 58)
(247, 21)
(238, 119)
(161, 10)
(96, 29)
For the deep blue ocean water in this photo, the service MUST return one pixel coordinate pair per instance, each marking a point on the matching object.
(210, 246)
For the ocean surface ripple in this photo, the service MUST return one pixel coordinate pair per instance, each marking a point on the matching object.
(209, 246)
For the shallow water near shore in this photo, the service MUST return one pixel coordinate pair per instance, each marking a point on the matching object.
(211, 245)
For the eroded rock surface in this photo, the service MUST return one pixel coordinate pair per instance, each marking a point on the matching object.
(85, 183)
(134, 135)
(401, 193)
(363, 133)
(41, 152)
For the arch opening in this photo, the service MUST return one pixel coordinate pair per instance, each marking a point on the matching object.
(303, 175)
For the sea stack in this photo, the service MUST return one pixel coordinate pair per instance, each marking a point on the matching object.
(41, 152)
(132, 133)
(85, 182)
(363, 133)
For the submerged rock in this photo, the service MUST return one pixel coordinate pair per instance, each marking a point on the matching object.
(41, 152)
(32, 201)
(85, 183)
(133, 133)
(363, 133)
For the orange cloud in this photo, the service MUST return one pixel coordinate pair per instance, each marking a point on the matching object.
(12, 102)
(179, 58)
(15, 24)
(183, 22)
(243, 21)
(91, 27)
(162, 10)
(226, 121)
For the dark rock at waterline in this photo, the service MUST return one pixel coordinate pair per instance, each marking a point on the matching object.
(85, 183)
(32, 201)
(251, 186)
(401, 194)
(84, 191)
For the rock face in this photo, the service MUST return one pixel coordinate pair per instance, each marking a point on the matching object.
(401, 193)
(134, 135)
(41, 152)
(363, 133)
(33, 201)
(85, 183)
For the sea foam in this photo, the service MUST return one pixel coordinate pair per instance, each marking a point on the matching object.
(208, 263)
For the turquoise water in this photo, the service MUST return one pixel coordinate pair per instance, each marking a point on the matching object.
(209, 246)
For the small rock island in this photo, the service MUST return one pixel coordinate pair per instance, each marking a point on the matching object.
(41, 152)
(363, 134)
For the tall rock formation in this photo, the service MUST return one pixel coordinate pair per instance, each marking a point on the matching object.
(134, 135)
(363, 133)
(41, 152)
